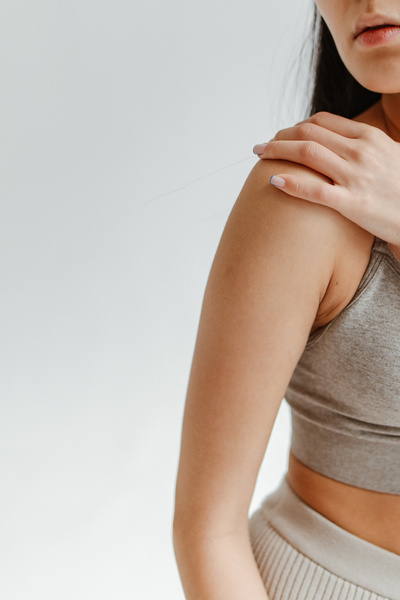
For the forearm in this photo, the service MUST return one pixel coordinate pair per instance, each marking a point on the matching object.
(218, 569)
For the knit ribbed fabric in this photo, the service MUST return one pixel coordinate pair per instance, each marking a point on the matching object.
(344, 394)
(301, 555)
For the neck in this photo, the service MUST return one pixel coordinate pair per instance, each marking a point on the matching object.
(390, 111)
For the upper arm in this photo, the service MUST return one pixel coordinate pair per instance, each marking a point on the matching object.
(270, 272)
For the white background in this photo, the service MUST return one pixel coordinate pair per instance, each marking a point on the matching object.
(127, 131)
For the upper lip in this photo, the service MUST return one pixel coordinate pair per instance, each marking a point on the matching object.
(372, 21)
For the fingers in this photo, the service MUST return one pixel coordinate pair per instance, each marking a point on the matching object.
(324, 142)
(332, 131)
(341, 125)
(312, 155)
(314, 191)
(308, 131)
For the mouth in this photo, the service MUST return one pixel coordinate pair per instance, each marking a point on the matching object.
(373, 22)
(378, 35)
(375, 27)
(379, 26)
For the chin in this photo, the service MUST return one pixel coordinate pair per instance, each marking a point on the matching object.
(377, 80)
(380, 85)
(379, 73)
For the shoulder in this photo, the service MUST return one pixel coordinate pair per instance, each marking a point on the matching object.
(343, 243)
(257, 188)
(301, 222)
(322, 239)
(275, 246)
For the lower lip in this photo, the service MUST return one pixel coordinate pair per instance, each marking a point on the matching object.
(376, 37)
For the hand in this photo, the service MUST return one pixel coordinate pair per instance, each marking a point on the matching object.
(362, 162)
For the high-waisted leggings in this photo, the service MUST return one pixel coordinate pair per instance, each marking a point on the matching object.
(302, 555)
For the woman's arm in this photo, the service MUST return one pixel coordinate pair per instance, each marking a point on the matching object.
(270, 273)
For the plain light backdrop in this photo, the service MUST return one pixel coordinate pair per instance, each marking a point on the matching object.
(127, 131)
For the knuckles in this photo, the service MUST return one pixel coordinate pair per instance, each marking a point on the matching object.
(309, 150)
(319, 194)
(320, 117)
(356, 152)
(361, 153)
(304, 130)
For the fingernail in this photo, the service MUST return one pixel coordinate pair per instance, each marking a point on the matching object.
(278, 181)
(259, 148)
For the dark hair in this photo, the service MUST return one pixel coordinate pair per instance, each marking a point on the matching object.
(332, 86)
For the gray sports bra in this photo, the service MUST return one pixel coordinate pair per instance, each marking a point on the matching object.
(344, 394)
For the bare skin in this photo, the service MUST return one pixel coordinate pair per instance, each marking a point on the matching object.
(370, 515)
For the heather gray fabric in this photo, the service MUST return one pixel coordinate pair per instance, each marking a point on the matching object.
(301, 555)
(344, 394)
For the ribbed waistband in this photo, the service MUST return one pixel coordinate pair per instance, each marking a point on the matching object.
(337, 550)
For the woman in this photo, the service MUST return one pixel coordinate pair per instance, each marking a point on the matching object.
(303, 302)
